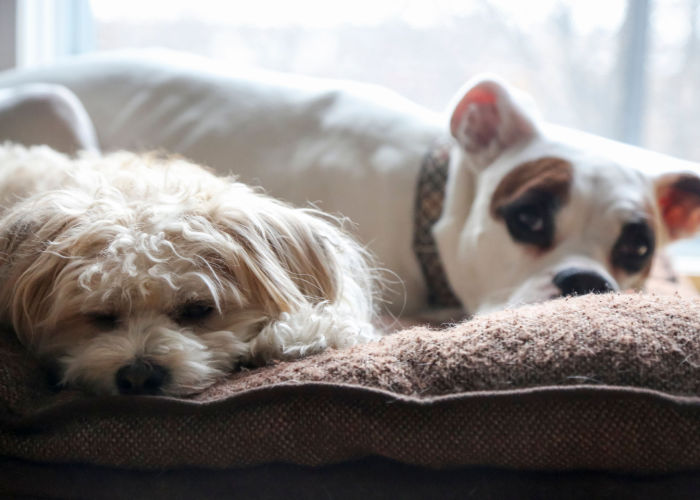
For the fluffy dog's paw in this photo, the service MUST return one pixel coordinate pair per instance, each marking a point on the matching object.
(309, 331)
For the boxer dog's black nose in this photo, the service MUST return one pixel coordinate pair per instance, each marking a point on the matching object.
(576, 281)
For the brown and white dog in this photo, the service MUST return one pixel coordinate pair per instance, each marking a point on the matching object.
(516, 211)
(511, 211)
(530, 215)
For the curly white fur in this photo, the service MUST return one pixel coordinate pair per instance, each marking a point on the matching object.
(105, 260)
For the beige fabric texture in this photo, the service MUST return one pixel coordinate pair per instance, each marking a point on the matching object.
(598, 382)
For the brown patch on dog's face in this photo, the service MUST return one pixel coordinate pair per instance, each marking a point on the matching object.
(549, 174)
(528, 198)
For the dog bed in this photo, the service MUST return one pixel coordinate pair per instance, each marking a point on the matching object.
(604, 384)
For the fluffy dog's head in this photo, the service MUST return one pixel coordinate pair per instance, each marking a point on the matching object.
(141, 275)
(532, 213)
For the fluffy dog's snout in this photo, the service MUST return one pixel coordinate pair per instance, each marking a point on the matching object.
(141, 377)
(577, 281)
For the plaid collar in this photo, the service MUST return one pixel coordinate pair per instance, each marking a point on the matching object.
(430, 194)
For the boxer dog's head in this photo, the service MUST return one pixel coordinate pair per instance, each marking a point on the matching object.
(529, 216)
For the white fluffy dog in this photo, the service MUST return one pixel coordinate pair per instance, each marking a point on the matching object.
(146, 275)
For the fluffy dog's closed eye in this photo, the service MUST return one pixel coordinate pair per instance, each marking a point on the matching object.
(136, 274)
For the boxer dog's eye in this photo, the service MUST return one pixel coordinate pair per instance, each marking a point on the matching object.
(530, 219)
(634, 247)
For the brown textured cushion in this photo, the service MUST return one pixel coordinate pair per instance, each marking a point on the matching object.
(599, 382)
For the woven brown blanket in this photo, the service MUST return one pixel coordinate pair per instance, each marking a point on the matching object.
(598, 382)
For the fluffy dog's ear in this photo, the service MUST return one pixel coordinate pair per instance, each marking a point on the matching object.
(13, 234)
(18, 250)
(678, 198)
(488, 118)
(289, 257)
(27, 270)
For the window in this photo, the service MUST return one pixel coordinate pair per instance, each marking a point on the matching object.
(625, 69)
(563, 52)
(46, 30)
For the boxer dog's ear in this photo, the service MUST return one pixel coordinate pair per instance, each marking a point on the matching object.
(678, 197)
(488, 118)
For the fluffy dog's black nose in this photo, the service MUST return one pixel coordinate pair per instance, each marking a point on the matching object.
(575, 281)
(141, 377)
